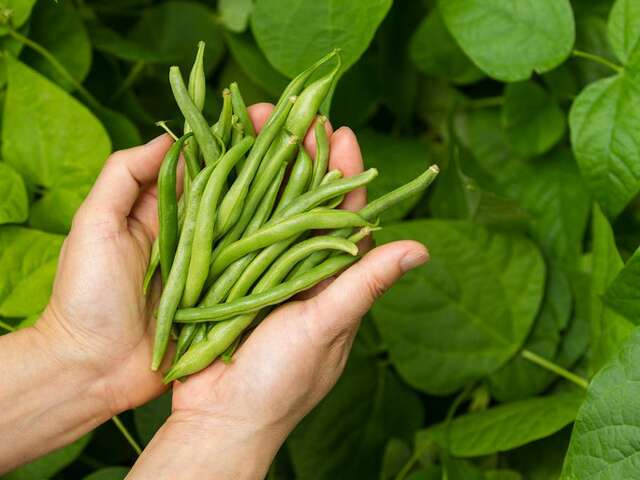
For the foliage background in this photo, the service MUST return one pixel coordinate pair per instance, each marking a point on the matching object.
(532, 109)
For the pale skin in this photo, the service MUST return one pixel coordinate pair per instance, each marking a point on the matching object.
(88, 356)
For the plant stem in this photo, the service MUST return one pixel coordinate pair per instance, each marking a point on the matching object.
(127, 434)
(53, 61)
(162, 124)
(131, 78)
(557, 369)
(598, 59)
(6, 326)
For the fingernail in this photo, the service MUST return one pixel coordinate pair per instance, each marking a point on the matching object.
(158, 139)
(413, 259)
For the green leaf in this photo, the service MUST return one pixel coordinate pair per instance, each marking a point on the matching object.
(14, 204)
(446, 324)
(542, 459)
(122, 131)
(13, 47)
(509, 40)
(623, 294)
(532, 119)
(52, 140)
(607, 431)
(357, 95)
(608, 329)
(502, 475)
(431, 472)
(149, 417)
(591, 36)
(50, 464)
(109, 473)
(28, 261)
(109, 41)
(282, 26)
(173, 29)
(235, 14)
(398, 161)
(603, 122)
(331, 445)
(19, 11)
(59, 27)
(624, 31)
(520, 378)
(396, 454)
(436, 53)
(504, 427)
(254, 64)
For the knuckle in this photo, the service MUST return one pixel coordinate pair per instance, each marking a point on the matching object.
(376, 286)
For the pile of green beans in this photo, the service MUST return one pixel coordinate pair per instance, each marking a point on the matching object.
(240, 239)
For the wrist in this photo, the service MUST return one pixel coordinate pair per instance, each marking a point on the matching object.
(201, 445)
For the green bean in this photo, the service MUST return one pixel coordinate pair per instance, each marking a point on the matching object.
(168, 207)
(228, 353)
(268, 171)
(283, 265)
(309, 102)
(206, 140)
(324, 193)
(154, 262)
(231, 207)
(225, 282)
(177, 276)
(275, 295)
(322, 152)
(203, 236)
(237, 131)
(240, 109)
(298, 179)
(288, 227)
(221, 287)
(222, 128)
(197, 91)
(331, 176)
(375, 208)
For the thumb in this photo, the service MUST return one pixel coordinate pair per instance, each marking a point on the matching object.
(339, 307)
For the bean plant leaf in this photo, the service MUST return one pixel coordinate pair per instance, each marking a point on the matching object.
(603, 122)
(173, 29)
(109, 473)
(109, 41)
(149, 418)
(19, 11)
(58, 25)
(14, 204)
(531, 118)
(520, 378)
(331, 445)
(235, 14)
(592, 37)
(510, 40)
(436, 53)
(491, 431)
(50, 464)
(608, 328)
(357, 95)
(28, 261)
(445, 324)
(40, 142)
(624, 31)
(253, 62)
(282, 26)
(604, 442)
(623, 294)
(398, 161)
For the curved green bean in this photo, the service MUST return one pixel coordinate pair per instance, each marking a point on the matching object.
(168, 207)
(197, 91)
(290, 226)
(154, 262)
(298, 179)
(177, 276)
(203, 236)
(322, 152)
(273, 296)
(206, 140)
(331, 176)
(222, 128)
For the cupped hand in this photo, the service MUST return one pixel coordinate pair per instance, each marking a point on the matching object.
(294, 357)
(97, 307)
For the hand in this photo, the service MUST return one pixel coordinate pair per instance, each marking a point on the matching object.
(285, 367)
(97, 312)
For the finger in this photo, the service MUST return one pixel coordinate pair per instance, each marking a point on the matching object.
(124, 175)
(259, 113)
(346, 157)
(339, 307)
